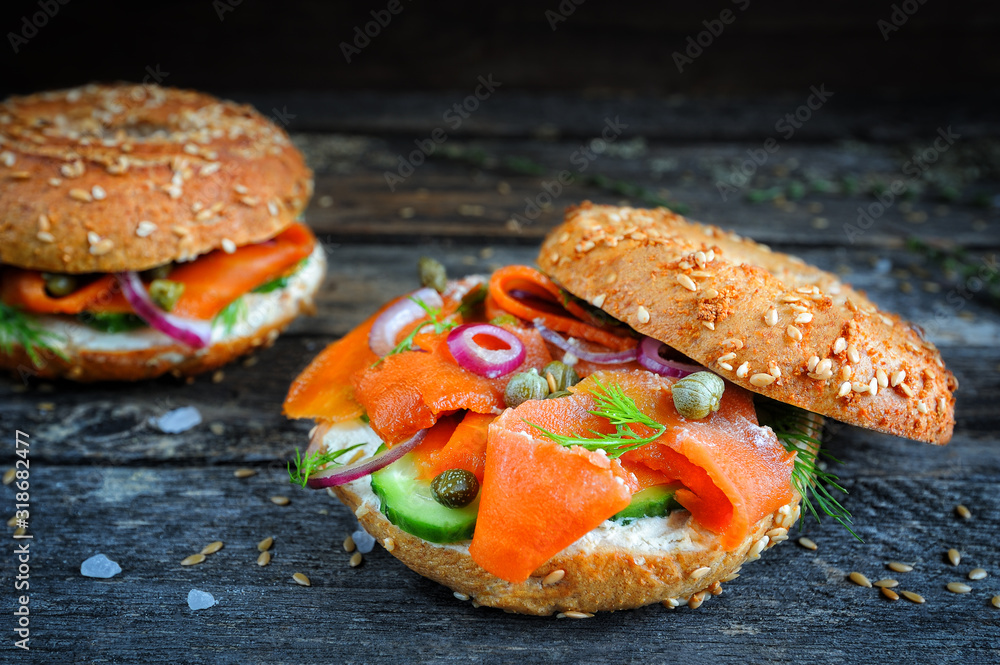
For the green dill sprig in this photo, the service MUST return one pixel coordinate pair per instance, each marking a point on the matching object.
(305, 467)
(232, 315)
(18, 328)
(621, 411)
(440, 326)
(794, 428)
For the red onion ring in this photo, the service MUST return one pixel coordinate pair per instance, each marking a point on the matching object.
(650, 358)
(490, 363)
(339, 475)
(571, 345)
(194, 333)
(382, 338)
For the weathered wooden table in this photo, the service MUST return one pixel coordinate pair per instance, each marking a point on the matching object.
(103, 479)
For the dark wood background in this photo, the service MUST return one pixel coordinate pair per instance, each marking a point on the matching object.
(105, 480)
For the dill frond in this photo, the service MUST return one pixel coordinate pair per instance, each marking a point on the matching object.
(20, 329)
(305, 467)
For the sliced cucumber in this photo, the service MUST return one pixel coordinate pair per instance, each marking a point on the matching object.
(408, 503)
(656, 501)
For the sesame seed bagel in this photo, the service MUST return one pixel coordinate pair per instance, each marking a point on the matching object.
(614, 567)
(142, 354)
(127, 177)
(766, 321)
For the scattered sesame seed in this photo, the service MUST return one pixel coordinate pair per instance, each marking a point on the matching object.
(98, 193)
(263, 558)
(642, 314)
(708, 324)
(301, 579)
(808, 543)
(265, 544)
(461, 596)
(9, 475)
(887, 583)
(813, 361)
(356, 560)
(771, 317)
(774, 370)
(213, 547)
(963, 512)
(761, 380)
(228, 246)
(554, 577)
(599, 299)
(913, 597)
(280, 500)
(804, 317)
(906, 389)
(883, 379)
(244, 473)
(954, 556)
(572, 614)
(80, 195)
(859, 387)
(272, 207)
(727, 357)
(845, 389)
(852, 353)
(996, 601)
(794, 333)
(743, 370)
(349, 545)
(698, 573)
(687, 282)
(959, 587)
(145, 229)
(977, 574)
(695, 601)
(845, 373)
(193, 559)
(209, 169)
(922, 407)
(873, 386)
(389, 544)
(55, 182)
(860, 580)
(730, 577)
(45, 236)
(8, 158)
(899, 567)
(726, 366)
(840, 345)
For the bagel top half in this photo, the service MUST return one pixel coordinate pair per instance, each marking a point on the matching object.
(107, 178)
(766, 321)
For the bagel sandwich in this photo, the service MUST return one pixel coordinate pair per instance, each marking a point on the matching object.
(147, 230)
(629, 424)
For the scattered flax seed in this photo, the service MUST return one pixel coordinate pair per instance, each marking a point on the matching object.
(349, 545)
(12, 521)
(265, 544)
(218, 376)
(898, 567)
(301, 579)
(212, 548)
(193, 559)
(977, 574)
(244, 473)
(356, 560)
(698, 573)
(959, 587)
(963, 512)
(218, 429)
(887, 583)
(8, 476)
(889, 593)
(280, 500)
(860, 580)
(996, 601)
(954, 556)
(554, 577)
(389, 544)
(913, 597)
(263, 559)
(808, 543)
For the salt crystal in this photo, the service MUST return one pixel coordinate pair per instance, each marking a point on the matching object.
(99, 566)
(178, 420)
(200, 600)
(362, 540)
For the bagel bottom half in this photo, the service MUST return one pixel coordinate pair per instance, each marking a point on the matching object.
(145, 353)
(614, 567)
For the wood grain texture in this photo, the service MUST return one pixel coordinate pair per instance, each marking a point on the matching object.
(105, 480)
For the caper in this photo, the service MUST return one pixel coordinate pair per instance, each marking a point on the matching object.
(557, 394)
(59, 284)
(455, 488)
(432, 274)
(698, 394)
(159, 272)
(525, 386)
(562, 376)
(165, 293)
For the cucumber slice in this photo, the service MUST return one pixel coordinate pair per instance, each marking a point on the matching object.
(656, 501)
(408, 503)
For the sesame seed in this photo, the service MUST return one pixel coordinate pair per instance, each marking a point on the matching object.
(265, 544)
(301, 579)
(240, 189)
(389, 544)
(599, 299)
(852, 353)
(899, 567)
(280, 500)
(80, 195)
(977, 574)
(873, 386)
(804, 317)
(845, 389)
(860, 580)
(263, 558)
(461, 596)
(730, 577)
(845, 373)
(889, 593)
(698, 573)
(554, 577)
(887, 583)
(808, 543)
(642, 314)
(9, 475)
(55, 182)
(209, 169)
(726, 366)
(840, 345)
(771, 317)
(711, 293)
(824, 366)
(272, 208)
(687, 282)
(758, 547)
(249, 201)
(204, 215)
(700, 258)
(212, 548)
(708, 324)
(959, 587)
(572, 614)
(906, 389)
(228, 246)
(145, 229)
(922, 407)
(942, 404)
(45, 236)
(773, 370)
(696, 600)
(19, 175)
(761, 380)
(913, 597)
(813, 361)
(349, 545)
(743, 370)
(794, 333)
(727, 357)
(8, 158)
(356, 560)
(98, 193)
(191, 149)
(102, 248)
(883, 379)
(244, 473)
(859, 387)
(963, 512)
(193, 559)
(954, 556)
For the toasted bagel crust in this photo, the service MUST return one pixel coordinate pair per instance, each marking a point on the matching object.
(725, 301)
(127, 177)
